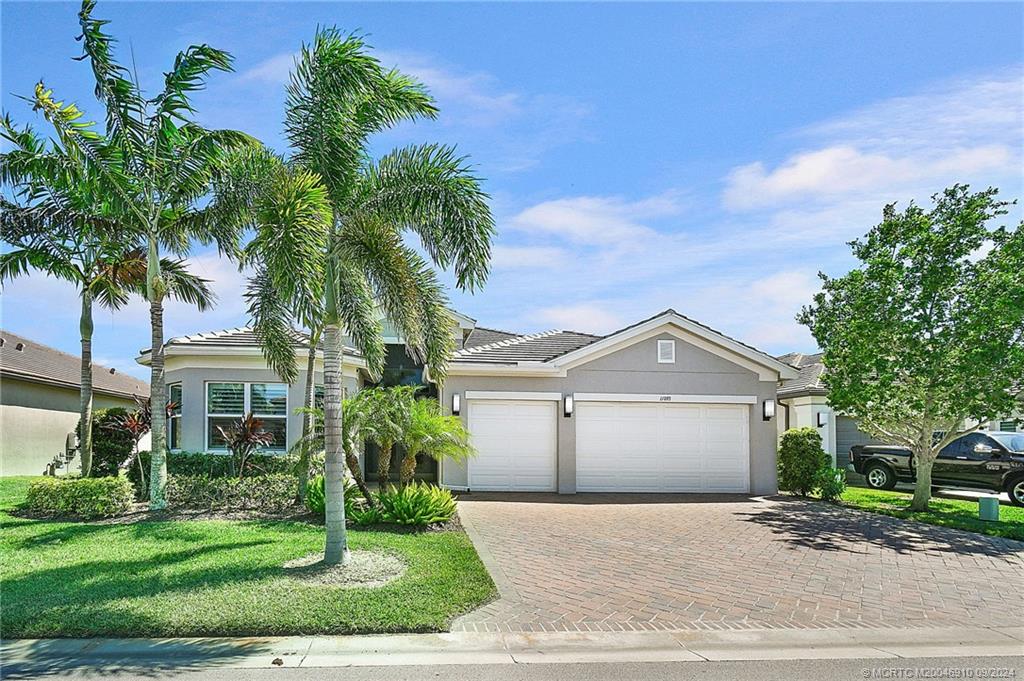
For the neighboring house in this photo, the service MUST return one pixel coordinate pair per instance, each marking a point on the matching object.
(664, 405)
(39, 401)
(804, 403)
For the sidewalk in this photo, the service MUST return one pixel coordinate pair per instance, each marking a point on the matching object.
(22, 656)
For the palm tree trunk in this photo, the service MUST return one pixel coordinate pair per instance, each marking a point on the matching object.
(357, 474)
(408, 469)
(384, 464)
(157, 387)
(85, 402)
(336, 548)
(307, 419)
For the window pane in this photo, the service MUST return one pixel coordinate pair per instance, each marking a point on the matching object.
(225, 398)
(214, 440)
(173, 426)
(318, 396)
(174, 397)
(266, 399)
(1008, 426)
(279, 428)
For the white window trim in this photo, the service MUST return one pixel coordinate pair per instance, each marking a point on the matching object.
(653, 397)
(667, 344)
(246, 408)
(181, 407)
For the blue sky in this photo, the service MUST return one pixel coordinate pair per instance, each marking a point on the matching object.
(706, 157)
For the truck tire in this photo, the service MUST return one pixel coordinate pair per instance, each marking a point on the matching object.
(1015, 490)
(879, 476)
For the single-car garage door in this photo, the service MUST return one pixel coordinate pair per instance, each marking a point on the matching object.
(657, 447)
(516, 443)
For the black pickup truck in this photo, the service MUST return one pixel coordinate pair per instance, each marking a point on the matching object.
(981, 460)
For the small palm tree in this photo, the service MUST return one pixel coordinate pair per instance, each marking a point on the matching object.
(59, 221)
(432, 433)
(389, 413)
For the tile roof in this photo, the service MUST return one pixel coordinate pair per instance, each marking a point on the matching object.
(43, 364)
(534, 347)
(484, 336)
(241, 337)
(809, 381)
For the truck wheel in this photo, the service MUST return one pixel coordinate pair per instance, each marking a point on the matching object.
(880, 476)
(1015, 490)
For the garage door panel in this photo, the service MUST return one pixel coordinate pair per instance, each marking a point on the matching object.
(515, 443)
(657, 447)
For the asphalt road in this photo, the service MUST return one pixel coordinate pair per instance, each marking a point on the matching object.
(777, 670)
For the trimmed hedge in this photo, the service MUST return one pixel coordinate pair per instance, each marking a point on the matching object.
(82, 497)
(270, 493)
(213, 465)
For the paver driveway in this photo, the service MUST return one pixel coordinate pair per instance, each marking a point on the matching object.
(633, 562)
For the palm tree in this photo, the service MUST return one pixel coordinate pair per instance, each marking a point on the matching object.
(430, 432)
(337, 98)
(156, 168)
(389, 417)
(59, 222)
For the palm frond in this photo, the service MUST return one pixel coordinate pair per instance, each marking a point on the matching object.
(431, 191)
(190, 69)
(187, 287)
(271, 320)
(357, 312)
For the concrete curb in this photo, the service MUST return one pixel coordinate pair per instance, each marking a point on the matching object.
(477, 648)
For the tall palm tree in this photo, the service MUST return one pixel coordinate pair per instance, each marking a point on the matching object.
(157, 168)
(338, 97)
(59, 222)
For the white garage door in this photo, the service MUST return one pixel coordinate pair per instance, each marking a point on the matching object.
(654, 447)
(516, 443)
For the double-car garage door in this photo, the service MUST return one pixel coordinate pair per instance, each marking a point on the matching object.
(621, 446)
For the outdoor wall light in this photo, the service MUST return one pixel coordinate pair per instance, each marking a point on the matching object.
(822, 419)
(567, 404)
(456, 404)
(768, 410)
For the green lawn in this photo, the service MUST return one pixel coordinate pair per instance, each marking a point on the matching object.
(216, 578)
(962, 515)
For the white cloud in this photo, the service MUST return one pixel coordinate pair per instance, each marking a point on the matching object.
(585, 317)
(272, 71)
(965, 130)
(596, 220)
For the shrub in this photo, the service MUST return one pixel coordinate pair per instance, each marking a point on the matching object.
(800, 460)
(270, 493)
(82, 497)
(316, 501)
(366, 515)
(831, 483)
(417, 504)
(212, 465)
(111, 445)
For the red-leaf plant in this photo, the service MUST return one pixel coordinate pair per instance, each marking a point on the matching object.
(243, 439)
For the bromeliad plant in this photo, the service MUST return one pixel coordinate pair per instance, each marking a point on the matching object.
(244, 439)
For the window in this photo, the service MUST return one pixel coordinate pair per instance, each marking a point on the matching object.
(174, 416)
(228, 402)
(666, 352)
(318, 396)
(1008, 426)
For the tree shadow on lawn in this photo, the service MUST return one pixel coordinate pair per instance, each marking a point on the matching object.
(827, 527)
(150, 658)
(87, 599)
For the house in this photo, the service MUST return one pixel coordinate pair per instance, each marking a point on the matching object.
(39, 401)
(664, 405)
(804, 403)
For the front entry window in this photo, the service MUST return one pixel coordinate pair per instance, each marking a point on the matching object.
(226, 403)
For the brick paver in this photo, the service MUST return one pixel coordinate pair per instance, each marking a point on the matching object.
(596, 562)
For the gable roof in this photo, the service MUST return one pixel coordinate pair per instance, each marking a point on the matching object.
(808, 382)
(481, 335)
(40, 363)
(534, 347)
(556, 349)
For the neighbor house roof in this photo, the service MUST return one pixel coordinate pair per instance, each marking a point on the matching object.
(534, 347)
(27, 360)
(809, 381)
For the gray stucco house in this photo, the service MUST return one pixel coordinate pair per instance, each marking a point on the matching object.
(39, 401)
(664, 405)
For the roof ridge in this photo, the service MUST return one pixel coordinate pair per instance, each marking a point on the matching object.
(508, 341)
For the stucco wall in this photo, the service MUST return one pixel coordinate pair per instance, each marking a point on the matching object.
(35, 420)
(635, 369)
(803, 413)
(193, 398)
